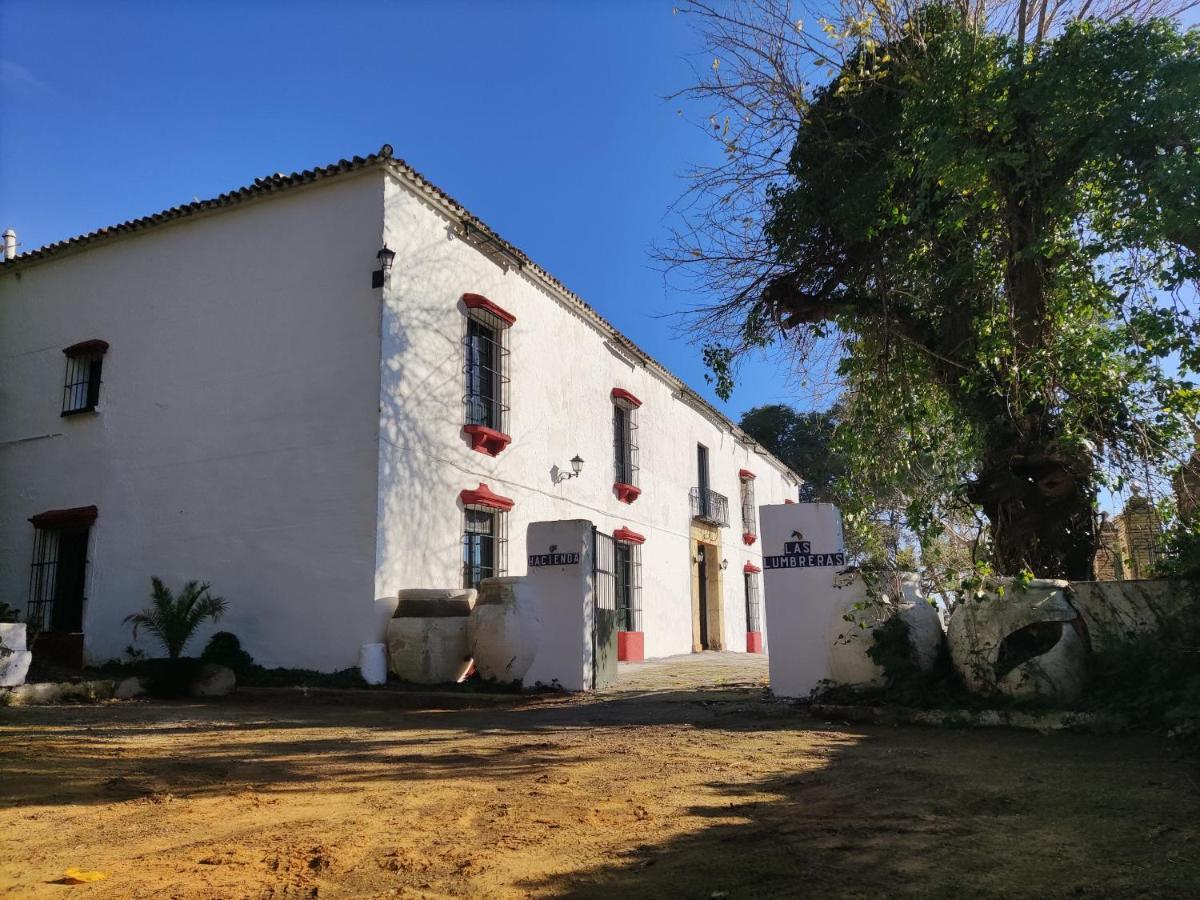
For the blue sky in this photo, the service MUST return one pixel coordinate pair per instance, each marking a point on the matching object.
(546, 119)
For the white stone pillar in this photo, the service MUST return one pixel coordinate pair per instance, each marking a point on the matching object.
(803, 550)
(560, 582)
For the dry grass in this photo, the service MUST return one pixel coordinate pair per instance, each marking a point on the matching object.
(665, 796)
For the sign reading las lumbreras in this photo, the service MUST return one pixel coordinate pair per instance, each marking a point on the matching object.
(798, 555)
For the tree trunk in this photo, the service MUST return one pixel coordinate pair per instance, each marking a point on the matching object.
(1039, 503)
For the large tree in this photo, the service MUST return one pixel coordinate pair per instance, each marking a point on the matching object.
(991, 226)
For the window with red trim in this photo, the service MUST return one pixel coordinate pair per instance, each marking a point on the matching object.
(485, 374)
(59, 572)
(81, 392)
(749, 513)
(625, 445)
(753, 604)
(628, 580)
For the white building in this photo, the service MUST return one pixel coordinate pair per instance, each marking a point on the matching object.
(233, 391)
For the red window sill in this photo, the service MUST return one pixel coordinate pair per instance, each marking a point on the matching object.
(487, 440)
(754, 642)
(749, 538)
(626, 493)
(631, 646)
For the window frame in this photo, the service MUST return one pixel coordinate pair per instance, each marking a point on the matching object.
(626, 466)
(753, 596)
(475, 571)
(44, 582)
(749, 511)
(83, 377)
(627, 583)
(486, 374)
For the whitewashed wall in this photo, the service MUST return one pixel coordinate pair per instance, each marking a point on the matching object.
(236, 436)
(562, 375)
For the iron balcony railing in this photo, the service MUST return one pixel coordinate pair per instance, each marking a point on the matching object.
(709, 506)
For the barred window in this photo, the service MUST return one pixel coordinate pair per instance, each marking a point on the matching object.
(81, 391)
(625, 448)
(485, 374)
(484, 544)
(749, 517)
(753, 604)
(59, 570)
(629, 585)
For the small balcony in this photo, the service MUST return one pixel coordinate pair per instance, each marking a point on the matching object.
(709, 506)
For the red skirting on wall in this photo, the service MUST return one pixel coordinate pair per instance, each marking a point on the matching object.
(631, 646)
(754, 642)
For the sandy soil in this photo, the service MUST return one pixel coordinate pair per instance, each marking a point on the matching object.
(664, 795)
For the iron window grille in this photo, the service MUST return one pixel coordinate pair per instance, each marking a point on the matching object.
(749, 519)
(709, 506)
(604, 566)
(485, 370)
(484, 544)
(81, 389)
(628, 570)
(56, 578)
(625, 445)
(753, 604)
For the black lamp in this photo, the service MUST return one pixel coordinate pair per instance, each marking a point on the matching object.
(385, 257)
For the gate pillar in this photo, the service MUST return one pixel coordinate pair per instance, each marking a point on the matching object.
(560, 560)
(803, 550)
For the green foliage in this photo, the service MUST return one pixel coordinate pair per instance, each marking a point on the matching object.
(1181, 550)
(173, 620)
(999, 238)
(224, 649)
(804, 441)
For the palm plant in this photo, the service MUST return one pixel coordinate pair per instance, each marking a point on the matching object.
(174, 619)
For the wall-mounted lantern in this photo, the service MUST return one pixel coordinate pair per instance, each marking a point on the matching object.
(576, 466)
(724, 564)
(385, 256)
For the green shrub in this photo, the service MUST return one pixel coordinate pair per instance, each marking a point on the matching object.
(225, 649)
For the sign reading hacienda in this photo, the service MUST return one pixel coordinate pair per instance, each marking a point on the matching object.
(799, 555)
(553, 559)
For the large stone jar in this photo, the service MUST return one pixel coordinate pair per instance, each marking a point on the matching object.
(1023, 641)
(505, 630)
(427, 635)
(897, 594)
(14, 657)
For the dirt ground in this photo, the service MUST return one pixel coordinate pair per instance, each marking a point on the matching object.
(646, 792)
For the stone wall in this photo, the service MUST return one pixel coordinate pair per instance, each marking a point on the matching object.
(1115, 609)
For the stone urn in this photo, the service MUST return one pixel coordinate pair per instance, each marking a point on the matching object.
(1025, 641)
(14, 657)
(427, 635)
(848, 643)
(505, 631)
(899, 594)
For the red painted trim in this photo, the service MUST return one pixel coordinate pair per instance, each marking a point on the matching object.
(484, 496)
(622, 394)
(487, 440)
(754, 643)
(86, 348)
(749, 537)
(478, 301)
(56, 518)
(746, 473)
(751, 569)
(626, 493)
(625, 534)
(790, 501)
(631, 646)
